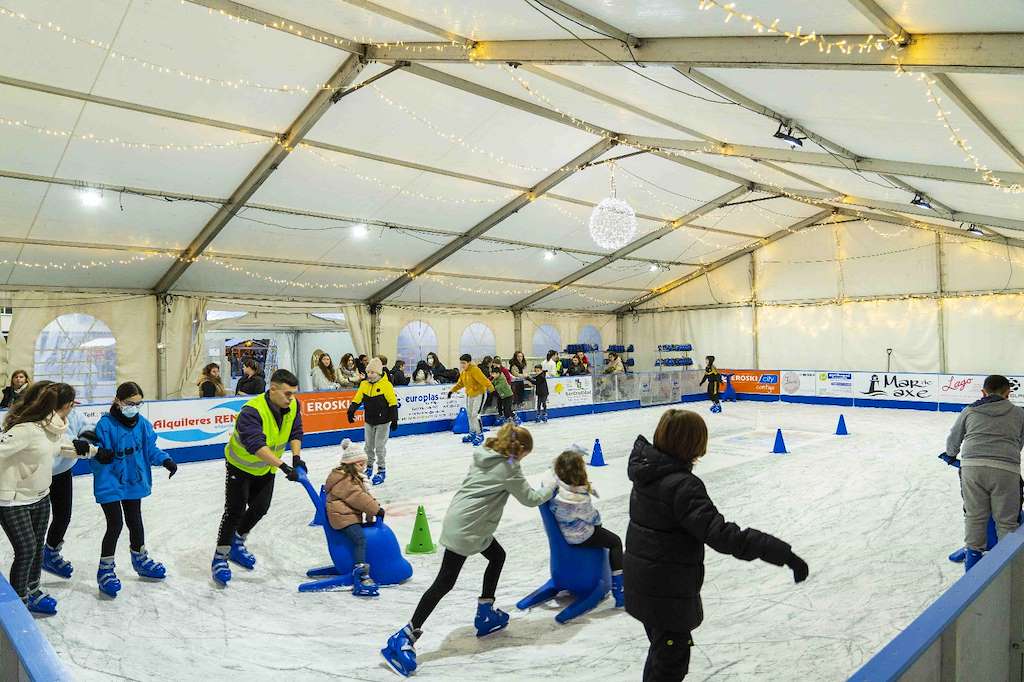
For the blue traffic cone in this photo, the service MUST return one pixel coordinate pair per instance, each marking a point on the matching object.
(597, 457)
(318, 518)
(461, 422)
(841, 427)
(780, 445)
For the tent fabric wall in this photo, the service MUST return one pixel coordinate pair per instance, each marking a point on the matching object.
(722, 332)
(903, 262)
(131, 319)
(973, 265)
(799, 267)
(357, 317)
(727, 284)
(983, 333)
(184, 339)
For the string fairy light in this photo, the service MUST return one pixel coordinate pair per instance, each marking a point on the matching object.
(603, 301)
(127, 144)
(824, 45)
(383, 184)
(458, 139)
(452, 284)
(955, 136)
(221, 262)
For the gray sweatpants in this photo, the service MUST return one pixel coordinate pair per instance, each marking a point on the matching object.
(473, 406)
(988, 492)
(376, 444)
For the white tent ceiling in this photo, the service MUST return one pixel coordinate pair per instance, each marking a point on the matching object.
(166, 107)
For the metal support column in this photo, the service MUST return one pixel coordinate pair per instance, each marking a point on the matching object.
(375, 330)
(163, 307)
(620, 329)
(940, 277)
(517, 329)
(753, 311)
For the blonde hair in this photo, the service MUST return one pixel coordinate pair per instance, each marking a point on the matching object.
(570, 468)
(353, 471)
(514, 441)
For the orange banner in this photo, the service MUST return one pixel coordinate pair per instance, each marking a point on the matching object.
(754, 381)
(327, 411)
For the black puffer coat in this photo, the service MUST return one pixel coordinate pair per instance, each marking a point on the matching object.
(671, 517)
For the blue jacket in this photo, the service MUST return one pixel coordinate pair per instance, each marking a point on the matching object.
(128, 477)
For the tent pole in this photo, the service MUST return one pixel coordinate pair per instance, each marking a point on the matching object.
(753, 311)
(375, 329)
(620, 329)
(517, 326)
(163, 304)
(940, 277)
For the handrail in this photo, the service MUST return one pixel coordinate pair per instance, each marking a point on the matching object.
(908, 646)
(36, 656)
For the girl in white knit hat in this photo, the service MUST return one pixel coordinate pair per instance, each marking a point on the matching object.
(349, 506)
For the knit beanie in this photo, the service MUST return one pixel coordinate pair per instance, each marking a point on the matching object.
(351, 453)
(375, 366)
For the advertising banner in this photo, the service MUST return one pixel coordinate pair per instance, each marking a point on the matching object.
(570, 391)
(897, 386)
(187, 423)
(417, 404)
(960, 389)
(328, 411)
(834, 384)
(797, 382)
(754, 381)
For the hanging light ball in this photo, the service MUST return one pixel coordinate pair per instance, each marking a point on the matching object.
(612, 223)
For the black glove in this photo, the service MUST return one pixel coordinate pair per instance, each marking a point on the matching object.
(394, 426)
(351, 415)
(81, 447)
(171, 466)
(291, 473)
(104, 456)
(380, 513)
(89, 436)
(297, 462)
(799, 568)
(449, 394)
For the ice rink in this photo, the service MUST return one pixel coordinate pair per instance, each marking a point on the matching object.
(874, 514)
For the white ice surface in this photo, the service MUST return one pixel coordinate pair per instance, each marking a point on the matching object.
(874, 514)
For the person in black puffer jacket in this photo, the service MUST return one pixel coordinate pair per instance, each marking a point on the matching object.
(671, 518)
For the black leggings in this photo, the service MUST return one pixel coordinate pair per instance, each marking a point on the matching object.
(603, 537)
(60, 506)
(668, 657)
(451, 566)
(246, 500)
(131, 512)
(713, 390)
(506, 407)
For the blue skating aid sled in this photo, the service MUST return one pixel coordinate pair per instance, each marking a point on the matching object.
(583, 571)
(387, 565)
(461, 422)
(318, 516)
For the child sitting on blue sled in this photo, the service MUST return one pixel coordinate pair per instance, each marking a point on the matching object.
(348, 501)
(469, 525)
(579, 522)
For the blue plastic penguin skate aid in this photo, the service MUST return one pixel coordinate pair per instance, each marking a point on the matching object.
(387, 565)
(583, 571)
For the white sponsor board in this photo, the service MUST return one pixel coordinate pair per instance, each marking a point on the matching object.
(798, 382)
(570, 391)
(961, 389)
(835, 384)
(417, 404)
(188, 423)
(899, 386)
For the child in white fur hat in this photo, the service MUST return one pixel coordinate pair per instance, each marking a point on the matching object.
(349, 506)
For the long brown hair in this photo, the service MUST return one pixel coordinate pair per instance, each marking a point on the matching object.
(22, 373)
(216, 381)
(40, 401)
(570, 468)
(328, 372)
(514, 441)
(682, 434)
(343, 363)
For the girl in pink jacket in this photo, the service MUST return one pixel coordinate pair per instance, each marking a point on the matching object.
(349, 506)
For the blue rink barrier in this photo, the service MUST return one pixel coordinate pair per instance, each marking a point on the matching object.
(973, 631)
(25, 654)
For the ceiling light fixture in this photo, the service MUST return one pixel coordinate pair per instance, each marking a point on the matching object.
(90, 197)
(613, 221)
(976, 231)
(359, 231)
(549, 255)
(785, 133)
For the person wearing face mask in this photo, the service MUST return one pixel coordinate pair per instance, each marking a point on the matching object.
(121, 478)
(19, 382)
(265, 426)
(35, 433)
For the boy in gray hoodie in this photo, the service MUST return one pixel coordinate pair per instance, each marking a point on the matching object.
(988, 437)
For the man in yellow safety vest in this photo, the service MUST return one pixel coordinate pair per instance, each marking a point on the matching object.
(265, 425)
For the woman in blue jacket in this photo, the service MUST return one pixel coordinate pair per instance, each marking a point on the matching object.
(122, 479)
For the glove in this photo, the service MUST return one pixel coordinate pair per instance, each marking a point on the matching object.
(380, 514)
(351, 415)
(171, 466)
(799, 568)
(83, 448)
(291, 473)
(104, 456)
(394, 426)
(950, 460)
(89, 436)
(297, 462)
(449, 395)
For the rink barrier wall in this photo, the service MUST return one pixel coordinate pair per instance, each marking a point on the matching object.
(25, 653)
(973, 631)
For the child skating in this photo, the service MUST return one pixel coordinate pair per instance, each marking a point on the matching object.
(580, 523)
(504, 391)
(380, 407)
(476, 385)
(349, 505)
(469, 527)
(540, 386)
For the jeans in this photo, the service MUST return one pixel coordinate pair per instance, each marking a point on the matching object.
(357, 537)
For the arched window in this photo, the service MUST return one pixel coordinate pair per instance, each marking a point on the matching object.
(80, 350)
(546, 338)
(591, 335)
(477, 340)
(415, 340)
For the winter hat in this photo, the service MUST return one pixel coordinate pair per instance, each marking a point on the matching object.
(351, 453)
(375, 366)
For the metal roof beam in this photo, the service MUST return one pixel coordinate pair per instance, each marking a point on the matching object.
(632, 246)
